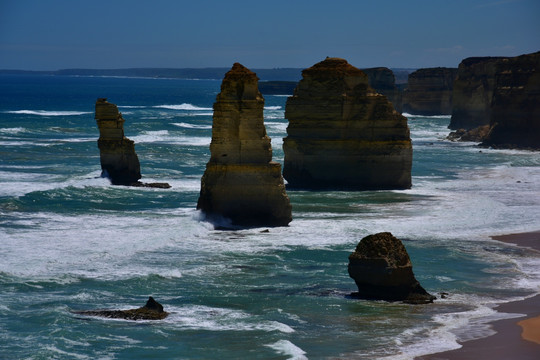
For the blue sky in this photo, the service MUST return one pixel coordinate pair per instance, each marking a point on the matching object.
(58, 34)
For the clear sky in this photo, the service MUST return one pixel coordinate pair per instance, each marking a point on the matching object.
(59, 34)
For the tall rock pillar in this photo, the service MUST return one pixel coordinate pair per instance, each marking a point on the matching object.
(344, 135)
(241, 182)
(119, 162)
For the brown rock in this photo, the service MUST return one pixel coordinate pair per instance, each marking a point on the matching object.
(429, 91)
(119, 162)
(478, 134)
(151, 311)
(382, 270)
(473, 92)
(515, 107)
(241, 182)
(344, 135)
(382, 79)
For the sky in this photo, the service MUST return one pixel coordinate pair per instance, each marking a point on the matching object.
(111, 34)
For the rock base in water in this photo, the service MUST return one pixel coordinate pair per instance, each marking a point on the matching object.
(382, 270)
(151, 311)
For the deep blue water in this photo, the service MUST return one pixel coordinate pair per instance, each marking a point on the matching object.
(71, 241)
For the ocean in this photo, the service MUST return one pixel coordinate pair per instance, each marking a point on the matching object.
(71, 241)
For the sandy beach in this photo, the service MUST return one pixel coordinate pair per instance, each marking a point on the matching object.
(517, 338)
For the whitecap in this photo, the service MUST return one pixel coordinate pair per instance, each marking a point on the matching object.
(407, 115)
(48, 113)
(272, 107)
(15, 130)
(287, 348)
(184, 106)
(192, 126)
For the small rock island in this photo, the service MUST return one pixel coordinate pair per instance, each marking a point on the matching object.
(342, 134)
(382, 270)
(241, 182)
(152, 310)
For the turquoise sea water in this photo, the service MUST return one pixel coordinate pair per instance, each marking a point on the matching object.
(71, 241)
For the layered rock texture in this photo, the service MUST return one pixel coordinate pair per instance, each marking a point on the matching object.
(344, 135)
(382, 270)
(515, 106)
(429, 91)
(383, 81)
(151, 311)
(473, 92)
(241, 182)
(119, 162)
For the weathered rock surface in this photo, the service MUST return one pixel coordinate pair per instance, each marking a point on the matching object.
(344, 135)
(383, 81)
(429, 91)
(478, 134)
(241, 182)
(382, 270)
(515, 106)
(473, 92)
(119, 162)
(151, 311)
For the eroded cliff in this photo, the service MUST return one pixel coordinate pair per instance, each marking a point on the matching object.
(241, 182)
(344, 135)
(429, 91)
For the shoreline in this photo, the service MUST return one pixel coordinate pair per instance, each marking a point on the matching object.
(516, 338)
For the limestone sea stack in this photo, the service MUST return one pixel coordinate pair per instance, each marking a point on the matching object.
(382, 270)
(382, 79)
(429, 91)
(515, 106)
(342, 134)
(472, 93)
(241, 182)
(119, 162)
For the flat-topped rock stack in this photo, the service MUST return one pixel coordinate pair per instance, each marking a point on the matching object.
(342, 134)
(119, 162)
(429, 91)
(241, 182)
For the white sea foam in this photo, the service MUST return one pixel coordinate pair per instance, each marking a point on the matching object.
(272, 108)
(48, 113)
(287, 348)
(192, 126)
(183, 106)
(15, 130)
(407, 115)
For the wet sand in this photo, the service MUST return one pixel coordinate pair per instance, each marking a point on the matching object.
(517, 338)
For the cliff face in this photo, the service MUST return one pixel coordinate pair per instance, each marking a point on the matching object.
(515, 106)
(241, 183)
(119, 162)
(473, 92)
(429, 92)
(342, 134)
(383, 81)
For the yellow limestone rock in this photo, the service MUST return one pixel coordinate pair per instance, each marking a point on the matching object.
(241, 182)
(344, 135)
(119, 162)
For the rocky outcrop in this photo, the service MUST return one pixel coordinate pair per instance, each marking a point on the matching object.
(478, 134)
(383, 81)
(382, 270)
(429, 92)
(241, 182)
(515, 106)
(344, 135)
(151, 311)
(473, 92)
(119, 162)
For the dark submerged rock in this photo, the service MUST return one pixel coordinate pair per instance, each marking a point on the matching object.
(382, 270)
(151, 311)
